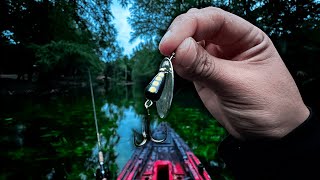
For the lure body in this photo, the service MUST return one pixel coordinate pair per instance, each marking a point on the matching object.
(159, 90)
(155, 87)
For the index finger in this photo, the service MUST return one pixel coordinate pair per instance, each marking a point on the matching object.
(210, 24)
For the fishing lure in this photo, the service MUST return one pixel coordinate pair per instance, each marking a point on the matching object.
(160, 91)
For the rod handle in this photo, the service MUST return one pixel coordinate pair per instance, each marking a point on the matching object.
(101, 159)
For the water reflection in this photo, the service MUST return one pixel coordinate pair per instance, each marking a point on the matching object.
(124, 148)
(128, 120)
(187, 117)
(53, 137)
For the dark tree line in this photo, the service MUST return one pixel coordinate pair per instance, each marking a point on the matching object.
(60, 37)
(65, 37)
(292, 25)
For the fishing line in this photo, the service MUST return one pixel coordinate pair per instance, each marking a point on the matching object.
(94, 112)
(102, 171)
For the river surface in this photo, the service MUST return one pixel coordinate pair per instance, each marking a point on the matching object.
(53, 135)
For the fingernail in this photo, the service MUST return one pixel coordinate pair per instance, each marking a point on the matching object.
(166, 36)
(186, 44)
(186, 51)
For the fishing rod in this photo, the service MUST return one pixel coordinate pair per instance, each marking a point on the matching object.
(101, 172)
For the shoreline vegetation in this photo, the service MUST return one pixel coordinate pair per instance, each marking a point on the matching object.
(54, 43)
(11, 85)
(48, 46)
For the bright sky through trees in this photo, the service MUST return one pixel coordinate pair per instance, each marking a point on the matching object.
(120, 20)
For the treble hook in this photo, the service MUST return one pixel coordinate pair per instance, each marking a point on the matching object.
(146, 131)
(162, 82)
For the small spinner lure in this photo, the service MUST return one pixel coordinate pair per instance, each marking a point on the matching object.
(159, 90)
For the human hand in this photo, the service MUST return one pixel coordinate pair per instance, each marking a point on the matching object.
(237, 72)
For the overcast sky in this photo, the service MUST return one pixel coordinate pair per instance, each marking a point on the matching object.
(120, 20)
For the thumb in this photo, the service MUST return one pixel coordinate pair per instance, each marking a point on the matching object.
(194, 63)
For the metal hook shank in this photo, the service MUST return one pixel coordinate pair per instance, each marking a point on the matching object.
(146, 131)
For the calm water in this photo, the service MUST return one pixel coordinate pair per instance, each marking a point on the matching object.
(52, 135)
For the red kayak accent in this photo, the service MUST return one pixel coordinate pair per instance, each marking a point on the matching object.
(170, 160)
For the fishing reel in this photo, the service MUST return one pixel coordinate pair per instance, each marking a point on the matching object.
(102, 173)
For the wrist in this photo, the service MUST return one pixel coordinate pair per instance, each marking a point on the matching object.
(297, 117)
(294, 154)
(279, 125)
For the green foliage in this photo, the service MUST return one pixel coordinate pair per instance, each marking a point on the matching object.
(138, 70)
(58, 132)
(277, 18)
(67, 58)
(119, 71)
(146, 60)
(200, 131)
(64, 34)
(96, 17)
(292, 25)
(150, 19)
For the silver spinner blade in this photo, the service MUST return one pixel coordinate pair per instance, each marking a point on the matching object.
(164, 103)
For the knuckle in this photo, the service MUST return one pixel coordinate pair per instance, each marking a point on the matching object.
(211, 8)
(215, 13)
(180, 18)
(192, 10)
(203, 67)
(177, 20)
(206, 66)
(184, 18)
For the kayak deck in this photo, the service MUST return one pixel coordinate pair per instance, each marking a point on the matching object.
(170, 160)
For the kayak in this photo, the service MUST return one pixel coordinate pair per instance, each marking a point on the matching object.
(169, 160)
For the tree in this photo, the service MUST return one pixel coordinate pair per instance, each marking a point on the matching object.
(150, 19)
(119, 71)
(146, 59)
(68, 59)
(79, 27)
(292, 25)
